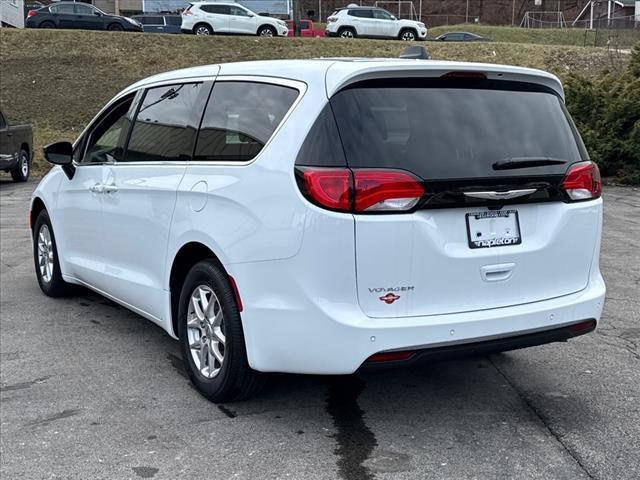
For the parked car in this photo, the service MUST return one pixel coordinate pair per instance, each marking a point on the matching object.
(16, 147)
(461, 37)
(307, 29)
(372, 22)
(312, 217)
(160, 23)
(79, 15)
(208, 18)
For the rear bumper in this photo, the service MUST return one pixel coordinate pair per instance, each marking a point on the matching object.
(486, 346)
(291, 327)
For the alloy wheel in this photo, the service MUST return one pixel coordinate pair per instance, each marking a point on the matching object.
(45, 254)
(408, 36)
(205, 331)
(266, 32)
(347, 34)
(202, 30)
(24, 164)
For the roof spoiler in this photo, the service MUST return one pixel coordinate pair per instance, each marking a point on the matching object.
(415, 52)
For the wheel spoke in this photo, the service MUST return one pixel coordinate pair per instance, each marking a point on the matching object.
(195, 302)
(215, 350)
(203, 357)
(217, 332)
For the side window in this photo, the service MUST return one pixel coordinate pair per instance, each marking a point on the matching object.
(166, 123)
(240, 118)
(63, 8)
(173, 20)
(239, 12)
(382, 15)
(219, 9)
(84, 9)
(106, 139)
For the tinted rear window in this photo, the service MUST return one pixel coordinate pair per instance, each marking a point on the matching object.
(450, 129)
(173, 20)
(240, 118)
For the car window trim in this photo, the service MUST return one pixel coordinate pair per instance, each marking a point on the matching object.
(301, 87)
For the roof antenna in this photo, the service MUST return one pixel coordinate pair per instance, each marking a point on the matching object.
(415, 52)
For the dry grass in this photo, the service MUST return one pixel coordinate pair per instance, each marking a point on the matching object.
(57, 80)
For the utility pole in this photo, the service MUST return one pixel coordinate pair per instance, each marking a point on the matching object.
(117, 7)
(466, 16)
(296, 18)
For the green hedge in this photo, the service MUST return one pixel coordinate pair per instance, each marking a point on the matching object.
(606, 110)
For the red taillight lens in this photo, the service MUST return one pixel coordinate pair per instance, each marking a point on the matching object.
(361, 190)
(386, 190)
(329, 187)
(465, 75)
(31, 13)
(390, 357)
(582, 181)
(187, 11)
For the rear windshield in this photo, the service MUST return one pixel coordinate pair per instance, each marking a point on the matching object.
(446, 129)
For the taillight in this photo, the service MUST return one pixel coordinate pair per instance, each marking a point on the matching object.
(582, 181)
(331, 19)
(361, 190)
(328, 187)
(386, 190)
(31, 13)
(187, 11)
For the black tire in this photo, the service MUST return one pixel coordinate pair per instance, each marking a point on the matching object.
(202, 29)
(408, 35)
(347, 32)
(235, 379)
(47, 24)
(20, 173)
(115, 27)
(56, 286)
(267, 31)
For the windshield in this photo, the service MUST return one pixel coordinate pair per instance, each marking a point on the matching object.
(449, 129)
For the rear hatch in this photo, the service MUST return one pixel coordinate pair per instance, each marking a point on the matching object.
(495, 226)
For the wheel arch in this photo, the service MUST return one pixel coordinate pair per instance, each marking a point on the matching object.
(186, 257)
(203, 23)
(37, 205)
(26, 148)
(347, 27)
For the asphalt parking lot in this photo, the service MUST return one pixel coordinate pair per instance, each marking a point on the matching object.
(90, 390)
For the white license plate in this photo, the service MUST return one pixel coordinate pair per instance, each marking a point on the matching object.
(493, 228)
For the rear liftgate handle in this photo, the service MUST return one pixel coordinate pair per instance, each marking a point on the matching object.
(497, 273)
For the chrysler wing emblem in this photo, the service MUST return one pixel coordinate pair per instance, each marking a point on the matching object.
(501, 195)
(389, 298)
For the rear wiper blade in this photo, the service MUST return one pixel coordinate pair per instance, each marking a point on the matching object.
(526, 162)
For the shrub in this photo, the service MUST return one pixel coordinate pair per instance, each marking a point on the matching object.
(606, 110)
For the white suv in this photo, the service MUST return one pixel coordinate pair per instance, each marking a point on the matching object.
(207, 18)
(324, 215)
(372, 22)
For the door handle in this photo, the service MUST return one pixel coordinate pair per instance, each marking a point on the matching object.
(97, 188)
(109, 188)
(497, 273)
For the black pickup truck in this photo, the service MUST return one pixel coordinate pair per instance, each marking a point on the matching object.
(16, 147)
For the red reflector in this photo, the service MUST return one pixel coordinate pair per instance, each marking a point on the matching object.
(31, 13)
(384, 190)
(236, 293)
(329, 187)
(582, 326)
(390, 356)
(468, 75)
(582, 181)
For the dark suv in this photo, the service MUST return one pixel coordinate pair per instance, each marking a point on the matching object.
(79, 16)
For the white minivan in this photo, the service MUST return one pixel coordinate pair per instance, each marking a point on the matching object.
(208, 18)
(319, 216)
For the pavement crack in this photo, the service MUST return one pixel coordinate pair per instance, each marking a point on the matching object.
(552, 431)
(355, 440)
(23, 385)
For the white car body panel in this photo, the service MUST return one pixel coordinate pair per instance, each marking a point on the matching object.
(373, 27)
(297, 265)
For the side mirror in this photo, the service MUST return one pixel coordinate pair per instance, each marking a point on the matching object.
(61, 153)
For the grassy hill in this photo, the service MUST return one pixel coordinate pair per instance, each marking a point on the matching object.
(58, 80)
